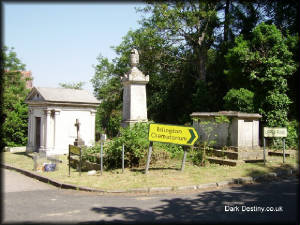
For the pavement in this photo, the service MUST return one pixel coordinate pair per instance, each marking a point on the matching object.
(26, 200)
(15, 183)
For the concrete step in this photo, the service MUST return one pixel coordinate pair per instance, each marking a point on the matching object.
(227, 162)
(288, 153)
(240, 155)
(225, 154)
(254, 160)
(252, 155)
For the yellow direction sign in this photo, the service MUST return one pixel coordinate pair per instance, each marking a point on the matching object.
(180, 135)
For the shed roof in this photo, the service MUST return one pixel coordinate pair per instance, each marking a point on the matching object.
(61, 95)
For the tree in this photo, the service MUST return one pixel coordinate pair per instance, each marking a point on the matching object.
(15, 111)
(182, 46)
(189, 25)
(264, 63)
(284, 14)
(173, 43)
(239, 100)
(107, 88)
(77, 85)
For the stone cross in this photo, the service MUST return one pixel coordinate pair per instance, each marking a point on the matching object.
(77, 125)
(78, 140)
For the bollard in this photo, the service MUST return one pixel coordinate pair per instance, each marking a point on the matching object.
(101, 157)
(183, 159)
(149, 157)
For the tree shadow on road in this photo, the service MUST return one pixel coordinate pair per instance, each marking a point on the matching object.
(209, 207)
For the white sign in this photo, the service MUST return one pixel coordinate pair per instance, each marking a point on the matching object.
(103, 137)
(275, 132)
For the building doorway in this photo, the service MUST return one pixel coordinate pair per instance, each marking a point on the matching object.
(37, 133)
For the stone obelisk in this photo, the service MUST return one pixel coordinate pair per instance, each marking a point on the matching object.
(134, 93)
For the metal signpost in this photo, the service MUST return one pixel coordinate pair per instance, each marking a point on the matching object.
(274, 132)
(174, 134)
(123, 158)
(102, 139)
(74, 150)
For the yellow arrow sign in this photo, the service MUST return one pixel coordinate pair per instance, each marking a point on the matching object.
(172, 134)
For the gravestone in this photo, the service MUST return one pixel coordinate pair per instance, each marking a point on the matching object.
(78, 141)
(134, 93)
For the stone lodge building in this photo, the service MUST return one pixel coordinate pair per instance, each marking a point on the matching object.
(52, 116)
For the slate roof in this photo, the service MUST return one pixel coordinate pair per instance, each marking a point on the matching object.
(62, 95)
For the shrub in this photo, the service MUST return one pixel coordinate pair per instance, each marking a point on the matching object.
(292, 140)
(92, 154)
(197, 157)
(239, 100)
(172, 149)
(135, 140)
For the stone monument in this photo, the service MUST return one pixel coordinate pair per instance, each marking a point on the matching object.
(134, 93)
(78, 141)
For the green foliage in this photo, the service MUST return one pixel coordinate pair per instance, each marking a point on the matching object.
(77, 85)
(198, 156)
(135, 140)
(239, 100)
(92, 154)
(209, 127)
(183, 47)
(107, 88)
(203, 98)
(174, 150)
(14, 128)
(172, 43)
(263, 64)
(292, 140)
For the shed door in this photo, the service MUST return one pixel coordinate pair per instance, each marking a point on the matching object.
(37, 133)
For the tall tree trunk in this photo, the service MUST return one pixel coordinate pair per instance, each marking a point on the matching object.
(202, 65)
(201, 56)
(226, 21)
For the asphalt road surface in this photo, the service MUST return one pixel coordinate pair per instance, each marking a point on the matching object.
(27, 200)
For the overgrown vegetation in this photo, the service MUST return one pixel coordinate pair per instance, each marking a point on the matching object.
(208, 56)
(15, 111)
(292, 140)
(263, 63)
(239, 100)
(208, 127)
(136, 144)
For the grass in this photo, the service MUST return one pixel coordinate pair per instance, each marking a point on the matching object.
(162, 174)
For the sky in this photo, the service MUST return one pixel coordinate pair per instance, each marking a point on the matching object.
(59, 43)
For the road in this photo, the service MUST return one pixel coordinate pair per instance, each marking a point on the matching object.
(28, 200)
